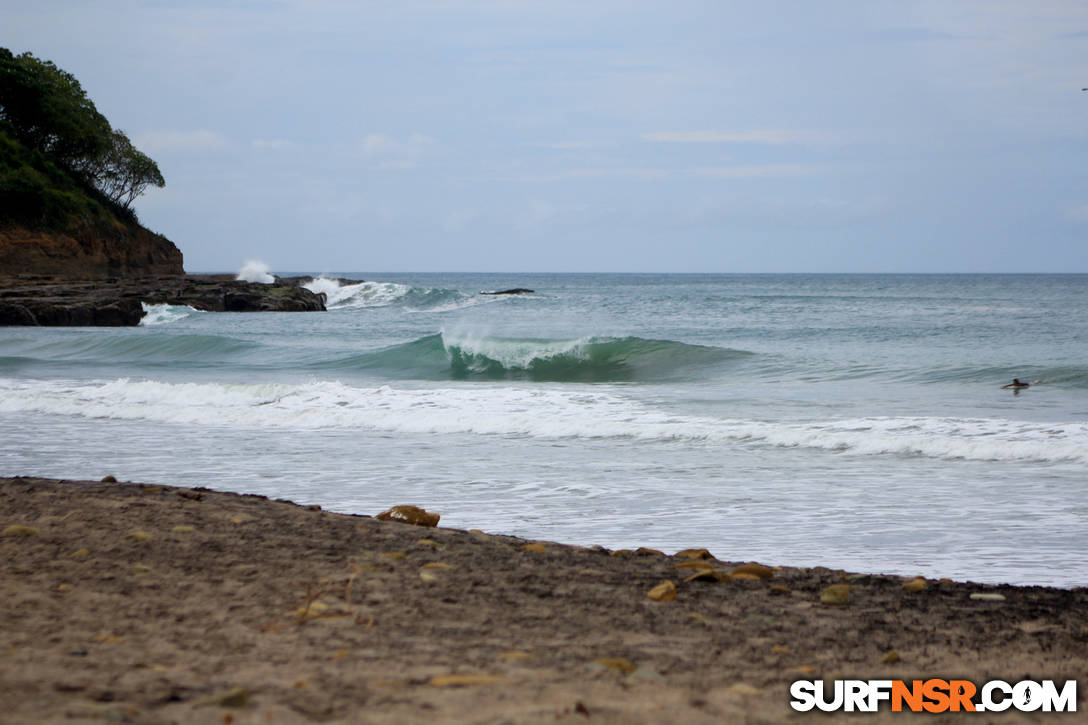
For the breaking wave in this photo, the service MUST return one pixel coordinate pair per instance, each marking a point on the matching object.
(586, 359)
(164, 314)
(255, 271)
(385, 294)
(554, 413)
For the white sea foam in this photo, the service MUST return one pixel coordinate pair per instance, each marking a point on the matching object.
(509, 352)
(163, 314)
(363, 294)
(533, 412)
(383, 294)
(255, 271)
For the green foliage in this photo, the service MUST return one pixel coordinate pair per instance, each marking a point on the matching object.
(47, 110)
(123, 172)
(36, 193)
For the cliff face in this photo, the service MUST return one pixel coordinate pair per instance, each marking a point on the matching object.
(130, 252)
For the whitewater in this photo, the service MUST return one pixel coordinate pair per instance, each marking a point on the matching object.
(851, 421)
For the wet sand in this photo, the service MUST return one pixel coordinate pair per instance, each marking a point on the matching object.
(150, 604)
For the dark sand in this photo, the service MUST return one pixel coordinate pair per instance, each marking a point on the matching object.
(241, 609)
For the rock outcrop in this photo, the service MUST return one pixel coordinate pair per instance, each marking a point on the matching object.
(117, 302)
(129, 251)
(514, 291)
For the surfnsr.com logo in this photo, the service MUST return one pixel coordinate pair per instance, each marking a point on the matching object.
(933, 695)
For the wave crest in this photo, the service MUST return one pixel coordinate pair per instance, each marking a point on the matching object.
(386, 294)
(361, 294)
(163, 314)
(446, 356)
(586, 359)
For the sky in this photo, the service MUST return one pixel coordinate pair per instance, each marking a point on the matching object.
(573, 136)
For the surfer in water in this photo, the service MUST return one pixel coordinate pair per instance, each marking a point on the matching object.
(1016, 385)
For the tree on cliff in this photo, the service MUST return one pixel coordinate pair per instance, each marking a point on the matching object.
(122, 172)
(47, 109)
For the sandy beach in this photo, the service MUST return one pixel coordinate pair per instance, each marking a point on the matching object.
(140, 603)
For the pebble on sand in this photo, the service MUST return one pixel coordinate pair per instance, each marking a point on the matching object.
(916, 584)
(515, 654)
(835, 594)
(708, 575)
(694, 554)
(663, 592)
(758, 570)
(702, 564)
(409, 515)
(139, 536)
(19, 530)
(618, 664)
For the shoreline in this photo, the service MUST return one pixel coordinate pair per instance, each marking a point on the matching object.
(156, 604)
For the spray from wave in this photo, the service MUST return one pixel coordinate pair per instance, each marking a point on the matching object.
(361, 294)
(255, 271)
(164, 314)
(387, 294)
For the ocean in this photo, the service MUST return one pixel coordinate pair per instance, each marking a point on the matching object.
(848, 421)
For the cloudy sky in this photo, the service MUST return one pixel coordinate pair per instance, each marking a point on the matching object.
(637, 136)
